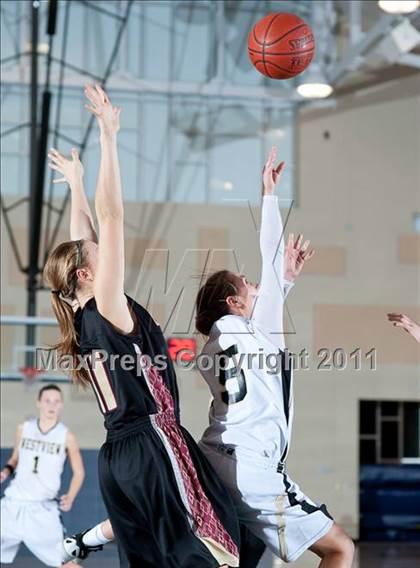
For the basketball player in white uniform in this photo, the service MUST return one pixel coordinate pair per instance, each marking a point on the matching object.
(251, 416)
(30, 511)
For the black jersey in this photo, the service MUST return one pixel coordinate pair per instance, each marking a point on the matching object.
(166, 505)
(115, 359)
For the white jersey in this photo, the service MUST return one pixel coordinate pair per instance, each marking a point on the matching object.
(40, 463)
(252, 408)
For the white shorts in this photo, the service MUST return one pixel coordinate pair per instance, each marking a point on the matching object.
(37, 524)
(269, 503)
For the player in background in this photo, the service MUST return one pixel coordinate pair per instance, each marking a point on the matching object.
(30, 509)
(407, 324)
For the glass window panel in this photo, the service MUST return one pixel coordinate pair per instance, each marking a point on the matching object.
(99, 40)
(153, 151)
(11, 179)
(158, 41)
(129, 158)
(389, 440)
(235, 177)
(189, 167)
(389, 408)
(9, 44)
(72, 109)
(91, 158)
(367, 450)
(76, 35)
(235, 154)
(192, 31)
(411, 429)
(367, 418)
(14, 105)
(132, 54)
(238, 23)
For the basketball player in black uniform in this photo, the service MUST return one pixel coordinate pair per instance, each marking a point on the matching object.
(166, 505)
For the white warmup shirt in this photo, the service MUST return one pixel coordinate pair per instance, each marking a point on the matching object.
(40, 465)
(252, 410)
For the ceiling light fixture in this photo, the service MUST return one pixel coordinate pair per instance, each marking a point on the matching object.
(399, 6)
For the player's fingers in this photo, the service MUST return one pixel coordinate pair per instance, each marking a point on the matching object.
(309, 255)
(270, 159)
(60, 180)
(305, 246)
(54, 167)
(90, 91)
(92, 96)
(92, 110)
(74, 154)
(55, 152)
(280, 168)
(395, 317)
(101, 93)
(290, 240)
(55, 160)
(298, 242)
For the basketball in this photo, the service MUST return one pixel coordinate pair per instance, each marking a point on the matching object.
(281, 46)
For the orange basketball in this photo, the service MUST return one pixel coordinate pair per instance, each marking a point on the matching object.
(281, 46)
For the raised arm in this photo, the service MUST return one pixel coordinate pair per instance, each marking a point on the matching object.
(12, 462)
(268, 311)
(81, 220)
(109, 276)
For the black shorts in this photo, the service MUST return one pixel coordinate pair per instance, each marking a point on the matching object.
(148, 506)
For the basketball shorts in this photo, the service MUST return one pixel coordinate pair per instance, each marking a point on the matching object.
(35, 523)
(269, 503)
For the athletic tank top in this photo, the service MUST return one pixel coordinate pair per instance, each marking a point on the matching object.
(115, 363)
(41, 461)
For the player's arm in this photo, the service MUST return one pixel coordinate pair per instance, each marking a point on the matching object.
(12, 462)
(109, 278)
(77, 467)
(407, 324)
(82, 225)
(268, 310)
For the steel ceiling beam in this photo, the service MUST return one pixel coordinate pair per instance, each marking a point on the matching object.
(351, 61)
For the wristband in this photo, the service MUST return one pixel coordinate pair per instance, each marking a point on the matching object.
(10, 468)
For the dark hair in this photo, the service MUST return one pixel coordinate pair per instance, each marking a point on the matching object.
(60, 272)
(210, 303)
(51, 386)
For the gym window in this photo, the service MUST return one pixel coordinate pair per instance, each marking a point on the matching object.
(389, 432)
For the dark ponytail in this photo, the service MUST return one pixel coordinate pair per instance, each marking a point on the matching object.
(211, 299)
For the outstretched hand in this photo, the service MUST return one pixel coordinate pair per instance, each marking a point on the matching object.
(271, 174)
(295, 257)
(408, 325)
(108, 116)
(71, 169)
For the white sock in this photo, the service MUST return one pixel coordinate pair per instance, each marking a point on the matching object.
(95, 537)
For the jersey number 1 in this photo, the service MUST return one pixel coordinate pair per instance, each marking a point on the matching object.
(36, 459)
(226, 374)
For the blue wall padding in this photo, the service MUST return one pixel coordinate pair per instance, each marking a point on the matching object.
(390, 502)
(390, 476)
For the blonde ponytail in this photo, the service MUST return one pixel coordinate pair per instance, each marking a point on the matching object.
(60, 273)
